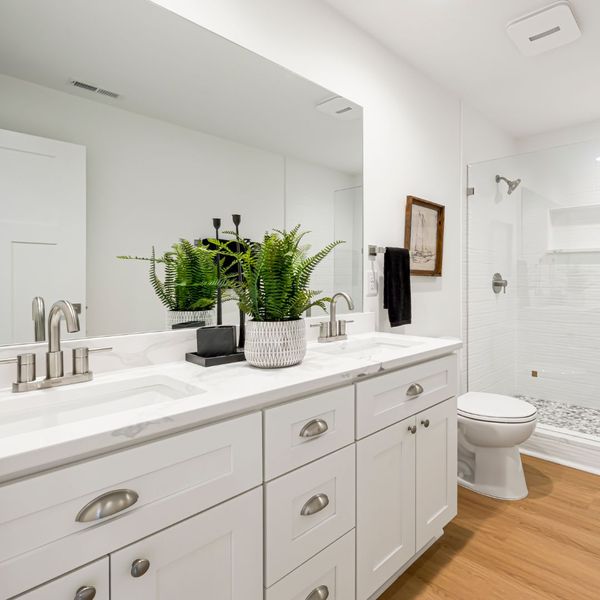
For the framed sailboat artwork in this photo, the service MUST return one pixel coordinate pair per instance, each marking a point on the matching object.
(424, 236)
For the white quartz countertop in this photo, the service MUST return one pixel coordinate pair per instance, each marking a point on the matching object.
(44, 429)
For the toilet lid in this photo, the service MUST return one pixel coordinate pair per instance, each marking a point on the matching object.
(494, 407)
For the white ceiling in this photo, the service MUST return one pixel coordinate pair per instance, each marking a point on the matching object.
(171, 69)
(463, 45)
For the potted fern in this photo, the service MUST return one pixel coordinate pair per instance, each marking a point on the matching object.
(275, 292)
(189, 288)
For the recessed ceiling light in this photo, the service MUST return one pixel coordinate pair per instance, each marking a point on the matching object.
(598, 159)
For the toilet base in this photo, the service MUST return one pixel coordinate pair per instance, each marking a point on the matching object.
(497, 473)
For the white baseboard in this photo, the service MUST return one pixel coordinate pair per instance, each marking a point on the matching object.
(565, 448)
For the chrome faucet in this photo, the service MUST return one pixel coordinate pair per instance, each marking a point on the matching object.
(54, 356)
(55, 371)
(334, 330)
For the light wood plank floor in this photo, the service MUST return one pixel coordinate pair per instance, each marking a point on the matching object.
(546, 547)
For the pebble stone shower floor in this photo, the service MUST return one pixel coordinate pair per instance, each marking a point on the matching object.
(580, 419)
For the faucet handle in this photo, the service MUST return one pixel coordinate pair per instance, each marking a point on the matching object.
(25, 366)
(323, 329)
(81, 358)
(341, 327)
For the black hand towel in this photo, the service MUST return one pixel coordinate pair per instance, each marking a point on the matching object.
(396, 286)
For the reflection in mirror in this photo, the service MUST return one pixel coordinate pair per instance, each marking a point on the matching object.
(124, 127)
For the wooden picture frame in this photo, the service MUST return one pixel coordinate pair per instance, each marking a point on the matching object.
(424, 236)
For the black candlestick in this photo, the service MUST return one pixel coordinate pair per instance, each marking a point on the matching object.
(217, 225)
(237, 219)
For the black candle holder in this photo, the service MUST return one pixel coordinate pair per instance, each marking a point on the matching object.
(217, 226)
(237, 219)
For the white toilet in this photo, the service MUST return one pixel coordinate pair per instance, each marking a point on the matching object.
(491, 428)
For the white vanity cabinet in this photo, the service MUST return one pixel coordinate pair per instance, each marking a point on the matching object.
(331, 496)
(217, 554)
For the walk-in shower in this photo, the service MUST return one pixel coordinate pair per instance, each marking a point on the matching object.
(533, 292)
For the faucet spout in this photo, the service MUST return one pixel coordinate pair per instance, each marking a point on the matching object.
(62, 308)
(333, 309)
(38, 314)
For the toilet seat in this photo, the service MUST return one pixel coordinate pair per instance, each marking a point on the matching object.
(495, 408)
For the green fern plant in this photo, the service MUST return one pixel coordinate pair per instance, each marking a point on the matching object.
(190, 276)
(276, 274)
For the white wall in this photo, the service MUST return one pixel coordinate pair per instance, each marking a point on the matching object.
(560, 137)
(411, 125)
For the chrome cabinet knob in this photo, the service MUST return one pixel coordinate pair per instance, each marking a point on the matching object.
(140, 567)
(314, 428)
(314, 505)
(107, 505)
(87, 592)
(412, 429)
(319, 593)
(416, 389)
(425, 423)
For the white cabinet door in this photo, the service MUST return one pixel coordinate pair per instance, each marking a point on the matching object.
(385, 520)
(436, 470)
(216, 555)
(91, 581)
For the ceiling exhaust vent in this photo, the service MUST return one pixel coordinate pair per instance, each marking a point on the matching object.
(544, 29)
(340, 108)
(94, 89)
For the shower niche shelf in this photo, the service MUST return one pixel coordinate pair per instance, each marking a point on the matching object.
(574, 229)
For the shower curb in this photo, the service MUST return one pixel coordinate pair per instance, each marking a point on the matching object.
(565, 448)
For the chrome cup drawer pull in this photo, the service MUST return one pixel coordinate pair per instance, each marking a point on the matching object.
(140, 567)
(320, 593)
(316, 504)
(314, 428)
(107, 505)
(87, 592)
(416, 389)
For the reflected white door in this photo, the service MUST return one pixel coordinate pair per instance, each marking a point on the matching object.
(42, 228)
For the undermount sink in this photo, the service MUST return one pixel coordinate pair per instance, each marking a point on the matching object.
(35, 411)
(363, 348)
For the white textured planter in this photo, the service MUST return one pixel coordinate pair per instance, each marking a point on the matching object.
(175, 317)
(274, 344)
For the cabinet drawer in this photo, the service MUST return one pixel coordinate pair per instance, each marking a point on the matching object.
(307, 510)
(387, 399)
(95, 575)
(302, 431)
(330, 573)
(173, 478)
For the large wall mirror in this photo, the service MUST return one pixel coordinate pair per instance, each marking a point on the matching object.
(124, 126)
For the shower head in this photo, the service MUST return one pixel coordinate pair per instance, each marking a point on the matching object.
(512, 185)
